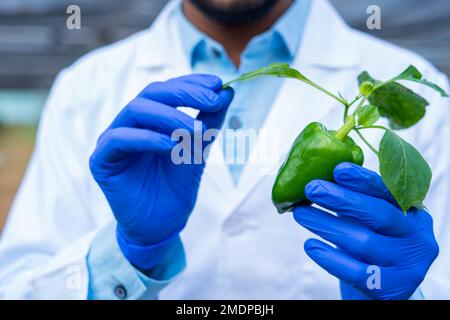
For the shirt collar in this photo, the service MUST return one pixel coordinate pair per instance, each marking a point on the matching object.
(291, 24)
(288, 29)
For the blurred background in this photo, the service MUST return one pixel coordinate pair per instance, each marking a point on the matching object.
(35, 44)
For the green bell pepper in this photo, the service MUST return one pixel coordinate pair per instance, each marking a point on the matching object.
(313, 155)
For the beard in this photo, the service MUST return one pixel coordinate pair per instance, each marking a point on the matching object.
(234, 12)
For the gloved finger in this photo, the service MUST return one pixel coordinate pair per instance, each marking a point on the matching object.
(114, 143)
(205, 80)
(337, 263)
(375, 213)
(352, 237)
(214, 120)
(148, 114)
(178, 93)
(360, 179)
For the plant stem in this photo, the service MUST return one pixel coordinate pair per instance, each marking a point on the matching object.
(343, 131)
(307, 81)
(347, 107)
(381, 84)
(378, 86)
(359, 106)
(354, 100)
(346, 112)
(366, 142)
(372, 127)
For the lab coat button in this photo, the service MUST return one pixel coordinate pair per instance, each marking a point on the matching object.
(216, 52)
(120, 292)
(233, 226)
(235, 123)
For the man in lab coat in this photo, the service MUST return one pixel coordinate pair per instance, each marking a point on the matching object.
(104, 213)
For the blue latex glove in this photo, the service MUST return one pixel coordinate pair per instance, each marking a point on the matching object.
(150, 196)
(369, 230)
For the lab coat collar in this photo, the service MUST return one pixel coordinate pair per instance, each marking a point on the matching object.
(167, 51)
(327, 39)
(322, 43)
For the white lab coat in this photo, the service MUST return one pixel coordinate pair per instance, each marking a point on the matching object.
(237, 246)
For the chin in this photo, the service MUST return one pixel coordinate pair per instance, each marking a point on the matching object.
(234, 4)
(235, 12)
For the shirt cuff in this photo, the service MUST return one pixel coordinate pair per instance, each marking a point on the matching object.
(112, 277)
(417, 295)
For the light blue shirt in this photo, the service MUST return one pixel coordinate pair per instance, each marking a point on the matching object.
(254, 99)
(111, 276)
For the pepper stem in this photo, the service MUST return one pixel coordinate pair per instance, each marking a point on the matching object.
(349, 124)
(315, 85)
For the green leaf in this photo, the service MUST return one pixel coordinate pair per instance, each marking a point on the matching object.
(282, 70)
(409, 73)
(368, 115)
(412, 74)
(404, 171)
(400, 105)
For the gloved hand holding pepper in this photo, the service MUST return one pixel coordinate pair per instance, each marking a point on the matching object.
(381, 222)
(371, 233)
(150, 196)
